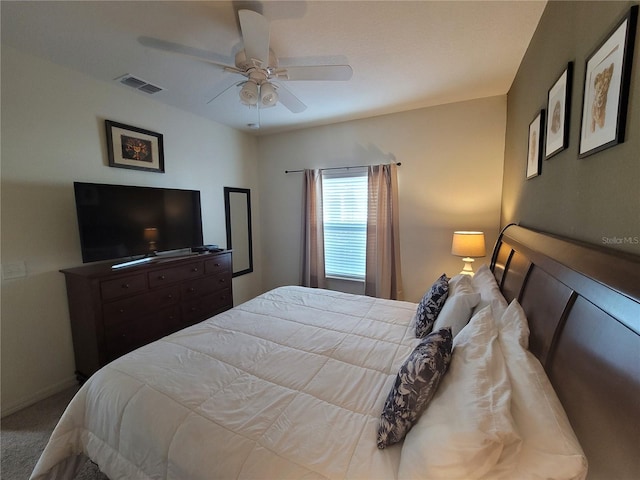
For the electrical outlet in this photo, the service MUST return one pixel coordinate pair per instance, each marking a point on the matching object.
(14, 270)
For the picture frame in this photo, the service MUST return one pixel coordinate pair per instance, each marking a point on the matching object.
(134, 148)
(559, 112)
(534, 152)
(606, 88)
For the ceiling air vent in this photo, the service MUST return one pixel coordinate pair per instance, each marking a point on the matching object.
(139, 84)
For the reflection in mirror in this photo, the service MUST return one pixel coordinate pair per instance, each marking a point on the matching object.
(237, 207)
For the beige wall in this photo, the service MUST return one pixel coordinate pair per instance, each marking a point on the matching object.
(52, 135)
(594, 199)
(450, 179)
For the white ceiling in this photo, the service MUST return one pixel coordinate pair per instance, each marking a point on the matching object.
(404, 54)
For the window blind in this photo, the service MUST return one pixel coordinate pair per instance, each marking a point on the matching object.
(344, 204)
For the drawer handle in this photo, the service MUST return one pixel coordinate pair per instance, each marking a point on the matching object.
(194, 309)
(191, 290)
(222, 280)
(161, 277)
(125, 285)
(216, 264)
(194, 269)
(121, 310)
(170, 296)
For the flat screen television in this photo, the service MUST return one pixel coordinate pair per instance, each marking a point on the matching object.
(118, 221)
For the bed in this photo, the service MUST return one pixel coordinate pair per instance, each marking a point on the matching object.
(543, 381)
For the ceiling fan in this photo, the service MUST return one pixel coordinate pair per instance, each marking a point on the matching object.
(262, 86)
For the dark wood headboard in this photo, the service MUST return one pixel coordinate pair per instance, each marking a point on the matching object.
(583, 307)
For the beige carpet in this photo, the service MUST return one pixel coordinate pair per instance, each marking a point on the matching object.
(25, 434)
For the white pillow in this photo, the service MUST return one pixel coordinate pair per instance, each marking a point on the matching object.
(513, 325)
(550, 448)
(460, 284)
(468, 425)
(485, 283)
(456, 312)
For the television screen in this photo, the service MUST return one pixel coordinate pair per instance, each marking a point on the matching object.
(117, 221)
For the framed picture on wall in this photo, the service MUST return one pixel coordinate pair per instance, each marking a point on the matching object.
(559, 111)
(606, 88)
(135, 148)
(534, 153)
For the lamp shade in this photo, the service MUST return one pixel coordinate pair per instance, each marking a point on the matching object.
(268, 95)
(151, 234)
(249, 93)
(468, 244)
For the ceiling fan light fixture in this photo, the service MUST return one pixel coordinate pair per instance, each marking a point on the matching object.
(249, 93)
(268, 94)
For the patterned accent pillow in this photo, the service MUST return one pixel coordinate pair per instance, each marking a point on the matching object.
(430, 306)
(415, 385)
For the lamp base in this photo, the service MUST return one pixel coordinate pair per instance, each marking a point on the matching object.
(468, 269)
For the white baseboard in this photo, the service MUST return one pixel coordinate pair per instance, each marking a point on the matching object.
(36, 397)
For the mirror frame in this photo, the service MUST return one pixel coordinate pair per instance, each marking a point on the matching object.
(229, 221)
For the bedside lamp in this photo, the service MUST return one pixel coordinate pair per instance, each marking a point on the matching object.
(468, 245)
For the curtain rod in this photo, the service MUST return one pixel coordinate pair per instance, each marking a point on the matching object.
(338, 168)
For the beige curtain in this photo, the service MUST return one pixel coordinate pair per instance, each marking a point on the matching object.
(383, 276)
(313, 274)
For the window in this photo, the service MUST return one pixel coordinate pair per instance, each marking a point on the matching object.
(344, 199)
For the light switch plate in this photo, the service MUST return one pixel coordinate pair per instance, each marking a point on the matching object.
(14, 270)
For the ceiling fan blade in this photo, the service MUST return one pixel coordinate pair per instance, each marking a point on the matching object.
(255, 35)
(224, 86)
(289, 100)
(316, 72)
(204, 55)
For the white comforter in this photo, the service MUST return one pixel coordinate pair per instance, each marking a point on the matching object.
(288, 385)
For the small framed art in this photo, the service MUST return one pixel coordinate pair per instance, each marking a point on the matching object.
(534, 153)
(134, 148)
(558, 108)
(606, 88)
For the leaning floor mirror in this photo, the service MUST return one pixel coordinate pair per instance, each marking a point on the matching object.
(237, 206)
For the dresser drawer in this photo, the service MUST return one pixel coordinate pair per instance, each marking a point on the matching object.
(205, 286)
(140, 305)
(220, 301)
(132, 334)
(167, 276)
(220, 263)
(122, 286)
(207, 306)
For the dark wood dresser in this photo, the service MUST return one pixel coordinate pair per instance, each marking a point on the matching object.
(114, 311)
